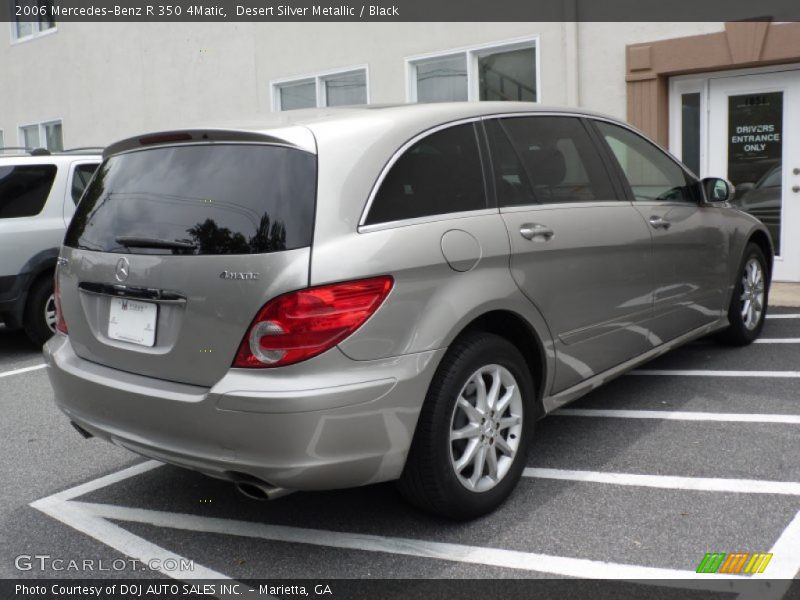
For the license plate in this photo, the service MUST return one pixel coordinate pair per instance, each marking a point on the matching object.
(132, 321)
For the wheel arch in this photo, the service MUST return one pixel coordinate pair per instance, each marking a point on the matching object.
(517, 330)
(761, 238)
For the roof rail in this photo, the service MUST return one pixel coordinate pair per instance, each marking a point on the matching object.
(82, 149)
(24, 149)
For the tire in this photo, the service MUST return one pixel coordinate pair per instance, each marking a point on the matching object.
(40, 301)
(749, 302)
(431, 479)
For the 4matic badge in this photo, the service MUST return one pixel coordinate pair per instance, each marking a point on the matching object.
(240, 275)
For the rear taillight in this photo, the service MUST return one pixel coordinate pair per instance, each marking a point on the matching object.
(61, 324)
(298, 325)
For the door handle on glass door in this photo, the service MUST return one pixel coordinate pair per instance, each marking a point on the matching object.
(659, 222)
(536, 231)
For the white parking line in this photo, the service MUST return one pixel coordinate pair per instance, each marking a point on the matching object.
(785, 563)
(92, 520)
(129, 544)
(679, 415)
(777, 341)
(706, 373)
(700, 484)
(784, 316)
(22, 370)
(498, 557)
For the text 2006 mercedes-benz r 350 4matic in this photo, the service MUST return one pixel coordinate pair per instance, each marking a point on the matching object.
(347, 296)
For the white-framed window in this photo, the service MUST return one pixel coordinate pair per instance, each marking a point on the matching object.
(507, 70)
(688, 97)
(327, 88)
(48, 134)
(31, 18)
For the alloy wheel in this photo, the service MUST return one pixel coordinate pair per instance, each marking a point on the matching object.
(752, 297)
(50, 313)
(486, 428)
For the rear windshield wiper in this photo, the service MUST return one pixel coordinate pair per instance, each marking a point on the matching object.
(132, 241)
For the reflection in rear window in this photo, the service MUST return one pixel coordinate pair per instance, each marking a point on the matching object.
(211, 199)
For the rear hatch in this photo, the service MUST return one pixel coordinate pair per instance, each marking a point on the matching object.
(175, 247)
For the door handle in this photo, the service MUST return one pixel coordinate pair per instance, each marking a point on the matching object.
(536, 231)
(659, 222)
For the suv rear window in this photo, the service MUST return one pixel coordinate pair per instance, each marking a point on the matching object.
(24, 189)
(214, 199)
(440, 174)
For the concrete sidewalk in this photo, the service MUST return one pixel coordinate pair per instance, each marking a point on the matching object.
(784, 294)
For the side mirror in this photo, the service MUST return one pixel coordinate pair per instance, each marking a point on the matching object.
(718, 190)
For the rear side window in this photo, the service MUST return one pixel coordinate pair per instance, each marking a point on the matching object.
(220, 199)
(24, 189)
(560, 159)
(439, 174)
(510, 178)
(80, 178)
(651, 174)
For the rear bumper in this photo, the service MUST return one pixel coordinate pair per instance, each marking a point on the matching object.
(328, 423)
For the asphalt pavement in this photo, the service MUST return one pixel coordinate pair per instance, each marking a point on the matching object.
(697, 452)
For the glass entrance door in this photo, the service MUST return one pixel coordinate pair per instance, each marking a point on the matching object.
(754, 141)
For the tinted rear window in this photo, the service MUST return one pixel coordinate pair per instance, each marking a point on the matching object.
(440, 174)
(24, 189)
(80, 178)
(223, 198)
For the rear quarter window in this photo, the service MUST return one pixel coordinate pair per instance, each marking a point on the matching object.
(439, 174)
(81, 176)
(24, 189)
(220, 199)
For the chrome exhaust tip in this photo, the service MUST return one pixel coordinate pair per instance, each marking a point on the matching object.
(260, 491)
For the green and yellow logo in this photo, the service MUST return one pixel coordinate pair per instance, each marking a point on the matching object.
(734, 563)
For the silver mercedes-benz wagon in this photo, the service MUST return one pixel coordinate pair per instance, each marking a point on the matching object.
(341, 297)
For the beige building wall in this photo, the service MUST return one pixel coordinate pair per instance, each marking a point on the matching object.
(117, 79)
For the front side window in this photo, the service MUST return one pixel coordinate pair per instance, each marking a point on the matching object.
(32, 18)
(652, 174)
(24, 189)
(560, 160)
(440, 174)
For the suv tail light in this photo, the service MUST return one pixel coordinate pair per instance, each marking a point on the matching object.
(61, 324)
(302, 324)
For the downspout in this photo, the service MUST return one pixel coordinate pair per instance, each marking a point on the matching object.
(571, 55)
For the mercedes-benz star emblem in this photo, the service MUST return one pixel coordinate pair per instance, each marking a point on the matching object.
(123, 269)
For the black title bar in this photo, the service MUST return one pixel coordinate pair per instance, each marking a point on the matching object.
(400, 10)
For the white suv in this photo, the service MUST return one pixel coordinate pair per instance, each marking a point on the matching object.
(38, 194)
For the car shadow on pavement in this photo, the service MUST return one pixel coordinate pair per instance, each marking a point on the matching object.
(15, 345)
